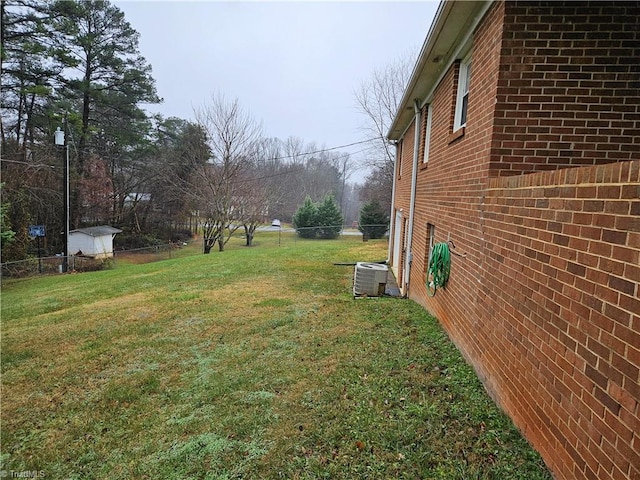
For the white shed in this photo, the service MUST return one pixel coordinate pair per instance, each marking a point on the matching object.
(94, 242)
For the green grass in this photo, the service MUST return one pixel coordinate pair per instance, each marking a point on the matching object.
(251, 363)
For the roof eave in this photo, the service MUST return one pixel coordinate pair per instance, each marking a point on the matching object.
(450, 27)
(97, 231)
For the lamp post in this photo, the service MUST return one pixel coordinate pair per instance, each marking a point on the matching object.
(60, 141)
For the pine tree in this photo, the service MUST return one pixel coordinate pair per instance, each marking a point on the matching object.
(28, 74)
(105, 76)
(305, 219)
(373, 220)
(330, 219)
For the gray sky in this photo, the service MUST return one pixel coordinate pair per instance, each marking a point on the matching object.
(293, 65)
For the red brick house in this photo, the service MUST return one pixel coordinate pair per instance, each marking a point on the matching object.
(518, 140)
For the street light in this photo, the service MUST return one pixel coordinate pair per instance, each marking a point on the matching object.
(59, 140)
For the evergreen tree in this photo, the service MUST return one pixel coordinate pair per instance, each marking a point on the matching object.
(106, 78)
(305, 219)
(329, 219)
(29, 75)
(180, 148)
(374, 222)
(6, 234)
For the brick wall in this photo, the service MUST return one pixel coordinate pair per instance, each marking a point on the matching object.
(450, 188)
(569, 87)
(545, 302)
(560, 302)
(404, 167)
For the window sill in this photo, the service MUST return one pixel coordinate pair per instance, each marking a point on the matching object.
(456, 135)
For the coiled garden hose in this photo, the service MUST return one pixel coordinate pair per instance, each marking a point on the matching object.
(439, 268)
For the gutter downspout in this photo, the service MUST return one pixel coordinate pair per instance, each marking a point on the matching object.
(392, 213)
(412, 202)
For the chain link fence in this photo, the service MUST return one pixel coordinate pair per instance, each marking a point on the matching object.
(49, 265)
(263, 236)
(55, 264)
(341, 232)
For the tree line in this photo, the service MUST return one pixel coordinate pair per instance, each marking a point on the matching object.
(76, 65)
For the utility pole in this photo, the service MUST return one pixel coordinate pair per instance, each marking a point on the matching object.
(61, 141)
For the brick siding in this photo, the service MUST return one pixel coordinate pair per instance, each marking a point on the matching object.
(543, 298)
(404, 167)
(561, 298)
(569, 88)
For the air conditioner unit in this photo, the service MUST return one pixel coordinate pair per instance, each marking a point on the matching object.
(369, 279)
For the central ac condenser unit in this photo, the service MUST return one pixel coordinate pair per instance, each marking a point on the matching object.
(369, 279)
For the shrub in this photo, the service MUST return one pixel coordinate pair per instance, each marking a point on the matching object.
(374, 221)
(305, 218)
(131, 241)
(318, 219)
(180, 236)
(329, 219)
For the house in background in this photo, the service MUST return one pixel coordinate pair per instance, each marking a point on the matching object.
(518, 142)
(94, 242)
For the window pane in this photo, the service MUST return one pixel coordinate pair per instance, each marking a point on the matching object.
(427, 135)
(462, 97)
(463, 113)
(467, 79)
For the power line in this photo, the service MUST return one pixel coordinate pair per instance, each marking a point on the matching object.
(295, 168)
(284, 157)
(254, 179)
(343, 146)
(34, 165)
(326, 149)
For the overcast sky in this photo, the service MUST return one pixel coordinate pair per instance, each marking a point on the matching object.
(293, 65)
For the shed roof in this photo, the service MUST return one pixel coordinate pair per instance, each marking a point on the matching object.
(98, 231)
(452, 23)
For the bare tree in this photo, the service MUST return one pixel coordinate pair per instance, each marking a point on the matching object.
(295, 150)
(251, 202)
(180, 147)
(376, 188)
(95, 190)
(233, 137)
(377, 99)
(346, 168)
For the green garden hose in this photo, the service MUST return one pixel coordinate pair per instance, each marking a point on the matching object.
(439, 268)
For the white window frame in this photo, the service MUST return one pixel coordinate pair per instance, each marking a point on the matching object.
(427, 135)
(464, 79)
(399, 156)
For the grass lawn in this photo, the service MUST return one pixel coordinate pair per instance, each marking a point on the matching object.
(251, 363)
